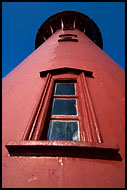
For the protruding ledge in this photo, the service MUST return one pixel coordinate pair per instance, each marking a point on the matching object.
(67, 70)
(64, 148)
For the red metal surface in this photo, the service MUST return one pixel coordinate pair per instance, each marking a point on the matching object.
(20, 93)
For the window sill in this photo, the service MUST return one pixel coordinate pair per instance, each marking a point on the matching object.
(63, 148)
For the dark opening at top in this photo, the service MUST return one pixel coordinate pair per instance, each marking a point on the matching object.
(69, 20)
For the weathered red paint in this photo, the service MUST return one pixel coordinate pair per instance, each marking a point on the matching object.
(21, 89)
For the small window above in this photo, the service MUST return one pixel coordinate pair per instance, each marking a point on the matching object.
(63, 35)
(68, 37)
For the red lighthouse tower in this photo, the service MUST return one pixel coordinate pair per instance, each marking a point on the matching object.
(63, 121)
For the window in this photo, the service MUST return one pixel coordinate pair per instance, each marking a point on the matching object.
(62, 35)
(64, 122)
(64, 111)
(68, 37)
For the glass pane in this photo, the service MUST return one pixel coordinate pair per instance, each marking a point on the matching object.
(65, 89)
(63, 130)
(64, 106)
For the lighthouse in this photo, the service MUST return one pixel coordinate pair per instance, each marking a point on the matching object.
(63, 111)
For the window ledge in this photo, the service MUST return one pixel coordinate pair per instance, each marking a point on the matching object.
(63, 148)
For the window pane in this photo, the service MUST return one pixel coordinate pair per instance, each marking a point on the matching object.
(64, 106)
(65, 89)
(63, 130)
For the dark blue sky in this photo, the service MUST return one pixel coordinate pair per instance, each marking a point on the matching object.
(21, 21)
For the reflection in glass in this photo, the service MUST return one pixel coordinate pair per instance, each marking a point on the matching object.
(65, 89)
(64, 106)
(63, 130)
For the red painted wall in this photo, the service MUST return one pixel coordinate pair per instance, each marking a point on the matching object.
(20, 91)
